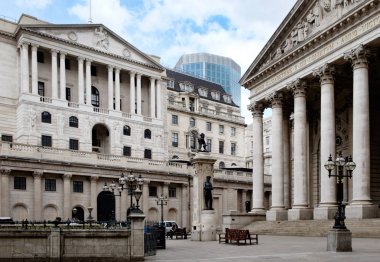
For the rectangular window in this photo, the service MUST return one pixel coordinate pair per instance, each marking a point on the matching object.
(175, 139)
(152, 191)
(221, 147)
(267, 140)
(40, 57)
(6, 138)
(127, 151)
(93, 71)
(67, 64)
(209, 144)
(233, 149)
(148, 153)
(19, 182)
(46, 141)
(221, 129)
(174, 119)
(74, 144)
(50, 185)
(78, 186)
(208, 126)
(233, 131)
(68, 94)
(41, 88)
(172, 192)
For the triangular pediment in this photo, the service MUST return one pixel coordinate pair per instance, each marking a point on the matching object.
(94, 36)
(305, 21)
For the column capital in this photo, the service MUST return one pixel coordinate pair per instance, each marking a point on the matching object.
(38, 173)
(54, 51)
(67, 176)
(117, 69)
(275, 99)
(257, 109)
(325, 73)
(166, 183)
(62, 53)
(358, 56)
(88, 61)
(5, 171)
(132, 73)
(94, 178)
(34, 46)
(80, 59)
(110, 67)
(298, 87)
(23, 44)
(138, 76)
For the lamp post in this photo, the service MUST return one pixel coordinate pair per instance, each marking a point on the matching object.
(161, 201)
(340, 164)
(90, 219)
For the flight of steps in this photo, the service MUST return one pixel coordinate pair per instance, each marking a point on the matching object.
(359, 228)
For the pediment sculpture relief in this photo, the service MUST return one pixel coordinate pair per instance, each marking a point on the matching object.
(101, 38)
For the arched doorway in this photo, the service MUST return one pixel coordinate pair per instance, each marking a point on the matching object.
(78, 214)
(100, 139)
(106, 206)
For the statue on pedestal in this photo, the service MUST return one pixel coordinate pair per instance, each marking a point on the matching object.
(202, 143)
(207, 188)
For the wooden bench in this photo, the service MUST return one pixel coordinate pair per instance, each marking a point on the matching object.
(178, 233)
(238, 235)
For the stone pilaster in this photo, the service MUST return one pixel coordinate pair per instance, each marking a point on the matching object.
(144, 202)
(5, 190)
(110, 87)
(88, 82)
(80, 80)
(152, 98)
(286, 148)
(67, 195)
(62, 75)
(185, 206)
(165, 193)
(117, 89)
(24, 49)
(132, 89)
(93, 196)
(37, 198)
(34, 70)
(138, 93)
(158, 103)
(54, 74)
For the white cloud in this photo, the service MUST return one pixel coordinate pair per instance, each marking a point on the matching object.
(35, 4)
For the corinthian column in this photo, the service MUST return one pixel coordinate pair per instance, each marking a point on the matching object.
(361, 205)
(88, 82)
(80, 81)
(24, 68)
(54, 74)
(117, 89)
(152, 98)
(132, 92)
(67, 196)
(62, 75)
(327, 206)
(138, 93)
(300, 210)
(110, 87)
(277, 211)
(5, 201)
(37, 195)
(93, 196)
(258, 159)
(159, 99)
(34, 70)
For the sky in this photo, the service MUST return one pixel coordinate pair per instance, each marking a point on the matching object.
(169, 28)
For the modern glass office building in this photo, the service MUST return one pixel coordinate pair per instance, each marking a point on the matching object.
(218, 69)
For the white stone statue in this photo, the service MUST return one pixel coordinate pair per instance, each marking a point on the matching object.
(33, 117)
(101, 38)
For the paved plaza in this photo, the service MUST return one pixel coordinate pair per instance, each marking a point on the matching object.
(270, 248)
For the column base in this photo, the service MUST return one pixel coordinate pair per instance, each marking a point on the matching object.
(325, 212)
(300, 214)
(339, 240)
(362, 211)
(277, 215)
(258, 211)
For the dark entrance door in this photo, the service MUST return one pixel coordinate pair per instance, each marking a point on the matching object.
(106, 206)
(78, 214)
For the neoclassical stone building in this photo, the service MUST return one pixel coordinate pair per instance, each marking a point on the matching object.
(79, 106)
(319, 74)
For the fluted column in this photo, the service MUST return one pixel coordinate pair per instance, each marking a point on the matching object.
(158, 100)
(54, 74)
(62, 75)
(117, 89)
(132, 87)
(300, 209)
(258, 159)
(93, 196)
(24, 68)
(80, 80)
(110, 87)
(37, 198)
(326, 209)
(361, 200)
(67, 196)
(243, 200)
(138, 93)
(88, 82)
(286, 148)
(152, 97)
(145, 197)
(5, 190)
(34, 70)
(185, 206)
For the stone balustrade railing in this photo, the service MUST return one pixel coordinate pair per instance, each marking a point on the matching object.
(101, 110)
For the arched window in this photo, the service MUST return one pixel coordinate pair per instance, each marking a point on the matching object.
(221, 165)
(233, 164)
(94, 96)
(73, 121)
(147, 134)
(175, 157)
(126, 130)
(46, 117)
(192, 121)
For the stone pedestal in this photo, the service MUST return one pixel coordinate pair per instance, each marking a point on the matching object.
(206, 230)
(300, 214)
(325, 212)
(362, 211)
(277, 215)
(339, 240)
(137, 236)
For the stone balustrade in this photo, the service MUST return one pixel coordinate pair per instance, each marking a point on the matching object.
(240, 176)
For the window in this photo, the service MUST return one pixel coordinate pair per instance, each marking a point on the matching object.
(41, 88)
(93, 71)
(221, 147)
(94, 96)
(6, 138)
(208, 126)
(148, 153)
(221, 129)
(172, 192)
(192, 122)
(40, 57)
(170, 84)
(50, 185)
(78, 186)
(126, 130)
(73, 121)
(267, 140)
(19, 182)
(46, 141)
(175, 139)
(174, 119)
(152, 191)
(193, 139)
(233, 149)
(68, 94)
(67, 64)
(46, 117)
(221, 165)
(147, 134)
(209, 144)
(127, 151)
(233, 131)
(74, 144)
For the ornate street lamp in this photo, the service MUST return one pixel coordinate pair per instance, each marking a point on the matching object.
(161, 201)
(340, 163)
